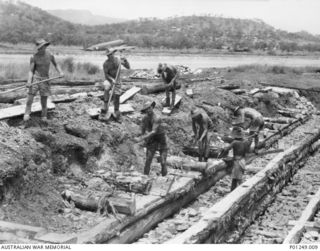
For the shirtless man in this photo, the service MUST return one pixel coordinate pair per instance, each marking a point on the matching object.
(240, 148)
(169, 76)
(39, 70)
(256, 124)
(200, 126)
(153, 133)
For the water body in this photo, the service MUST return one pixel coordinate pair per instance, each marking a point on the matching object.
(193, 61)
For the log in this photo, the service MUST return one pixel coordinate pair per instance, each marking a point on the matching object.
(287, 113)
(128, 182)
(186, 164)
(152, 89)
(239, 91)
(122, 204)
(19, 110)
(308, 224)
(124, 108)
(280, 120)
(229, 87)
(312, 89)
(213, 152)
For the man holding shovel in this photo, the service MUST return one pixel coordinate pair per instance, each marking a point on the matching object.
(200, 126)
(112, 85)
(153, 133)
(39, 71)
(169, 76)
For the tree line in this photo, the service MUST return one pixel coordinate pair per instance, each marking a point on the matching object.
(23, 23)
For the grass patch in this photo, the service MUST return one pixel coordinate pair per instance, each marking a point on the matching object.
(275, 69)
(71, 69)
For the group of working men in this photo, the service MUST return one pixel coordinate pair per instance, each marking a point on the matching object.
(152, 129)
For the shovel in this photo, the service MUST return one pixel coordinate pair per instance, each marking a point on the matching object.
(35, 83)
(109, 114)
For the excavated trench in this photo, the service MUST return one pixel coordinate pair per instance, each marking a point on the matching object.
(193, 212)
(65, 154)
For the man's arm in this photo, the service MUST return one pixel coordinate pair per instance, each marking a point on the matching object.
(31, 71)
(155, 128)
(53, 61)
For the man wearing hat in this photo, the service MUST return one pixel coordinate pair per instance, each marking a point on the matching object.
(153, 133)
(240, 147)
(256, 124)
(169, 76)
(200, 126)
(111, 67)
(39, 70)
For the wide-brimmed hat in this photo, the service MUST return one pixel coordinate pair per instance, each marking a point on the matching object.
(148, 104)
(237, 132)
(110, 51)
(41, 42)
(195, 112)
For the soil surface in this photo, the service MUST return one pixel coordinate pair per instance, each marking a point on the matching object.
(42, 160)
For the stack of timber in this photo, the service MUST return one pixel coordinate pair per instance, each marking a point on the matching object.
(235, 212)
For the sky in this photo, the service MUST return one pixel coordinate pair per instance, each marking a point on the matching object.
(289, 15)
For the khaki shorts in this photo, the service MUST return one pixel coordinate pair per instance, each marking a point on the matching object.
(43, 88)
(108, 86)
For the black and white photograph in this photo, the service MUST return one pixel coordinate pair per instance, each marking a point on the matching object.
(159, 122)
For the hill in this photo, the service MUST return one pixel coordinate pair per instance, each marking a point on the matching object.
(21, 22)
(84, 17)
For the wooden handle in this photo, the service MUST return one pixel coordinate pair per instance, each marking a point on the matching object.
(35, 83)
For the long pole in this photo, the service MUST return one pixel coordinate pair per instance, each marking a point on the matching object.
(35, 83)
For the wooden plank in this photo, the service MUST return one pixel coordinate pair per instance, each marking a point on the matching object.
(124, 108)
(129, 93)
(13, 227)
(307, 224)
(167, 110)
(19, 110)
(296, 232)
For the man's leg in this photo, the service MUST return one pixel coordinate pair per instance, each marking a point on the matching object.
(163, 161)
(173, 97)
(206, 147)
(167, 98)
(26, 116)
(44, 113)
(200, 146)
(106, 96)
(117, 106)
(149, 156)
(234, 183)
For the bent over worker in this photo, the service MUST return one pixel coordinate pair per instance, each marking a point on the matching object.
(111, 68)
(169, 75)
(240, 147)
(256, 123)
(200, 126)
(153, 133)
(39, 70)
